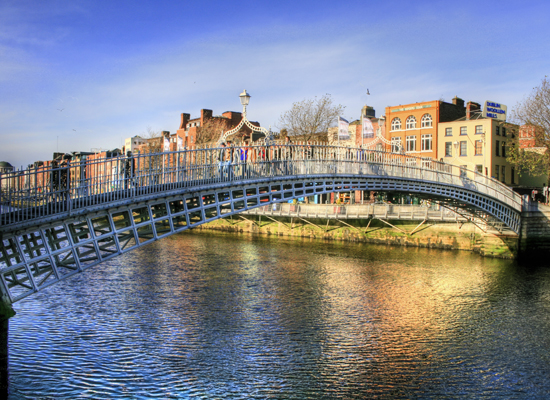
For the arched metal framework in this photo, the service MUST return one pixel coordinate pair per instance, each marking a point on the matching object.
(48, 237)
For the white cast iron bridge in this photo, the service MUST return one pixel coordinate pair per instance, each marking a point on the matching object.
(59, 221)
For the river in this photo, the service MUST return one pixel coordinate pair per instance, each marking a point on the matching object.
(227, 316)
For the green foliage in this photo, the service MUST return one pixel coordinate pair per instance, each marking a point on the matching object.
(528, 162)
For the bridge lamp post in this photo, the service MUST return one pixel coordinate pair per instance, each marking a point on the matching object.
(245, 99)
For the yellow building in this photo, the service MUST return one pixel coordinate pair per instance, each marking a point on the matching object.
(479, 143)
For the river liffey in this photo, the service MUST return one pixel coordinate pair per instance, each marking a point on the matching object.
(219, 316)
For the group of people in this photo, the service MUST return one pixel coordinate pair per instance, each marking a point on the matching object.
(237, 160)
(60, 178)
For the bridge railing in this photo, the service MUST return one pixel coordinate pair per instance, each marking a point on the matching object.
(80, 183)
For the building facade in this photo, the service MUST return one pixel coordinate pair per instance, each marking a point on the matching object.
(479, 143)
(412, 128)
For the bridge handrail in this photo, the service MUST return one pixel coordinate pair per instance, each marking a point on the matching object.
(48, 190)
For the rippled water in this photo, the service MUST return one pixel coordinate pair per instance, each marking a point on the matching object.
(225, 316)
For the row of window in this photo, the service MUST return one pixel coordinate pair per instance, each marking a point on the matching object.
(425, 143)
(464, 130)
(500, 148)
(410, 123)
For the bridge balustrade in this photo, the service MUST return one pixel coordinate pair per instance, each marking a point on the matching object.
(50, 190)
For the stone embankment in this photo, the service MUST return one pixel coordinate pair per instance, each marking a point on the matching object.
(388, 225)
(535, 231)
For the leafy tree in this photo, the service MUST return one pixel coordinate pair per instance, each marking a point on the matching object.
(310, 117)
(534, 161)
(534, 112)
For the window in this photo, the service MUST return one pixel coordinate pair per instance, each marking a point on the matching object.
(396, 144)
(497, 130)
(479, 129)
(497, 168)
(396, 124)
(479, 168)
(463, 130)
(411, 143)
(503, 131)
(503, 148)
(512, 175)
(503, 174)
(448, 131)
(497, 148)
(426, 121)
(448, 149)
(426, 142)
(411, 122)
(479, 147)
(463, 148)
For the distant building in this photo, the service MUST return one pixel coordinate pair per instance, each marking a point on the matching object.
(5, 167)
(358, 136)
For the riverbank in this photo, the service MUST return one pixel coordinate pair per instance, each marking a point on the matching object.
(437, 235)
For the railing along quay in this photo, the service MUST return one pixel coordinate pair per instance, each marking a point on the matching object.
(50, 190)
(386, 211)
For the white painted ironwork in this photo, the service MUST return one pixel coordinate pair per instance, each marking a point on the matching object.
(58, 221)
(268, 136)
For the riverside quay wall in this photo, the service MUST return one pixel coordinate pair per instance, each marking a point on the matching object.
(403, 225)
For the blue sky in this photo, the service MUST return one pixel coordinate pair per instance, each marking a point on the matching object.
(117, 68)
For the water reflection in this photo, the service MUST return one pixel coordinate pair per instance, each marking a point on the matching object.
(221, 316)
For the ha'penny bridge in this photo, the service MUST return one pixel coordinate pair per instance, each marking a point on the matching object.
(59, 221)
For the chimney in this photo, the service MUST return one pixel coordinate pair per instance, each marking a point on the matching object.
(457, 101)
(205, 114)
(368, 112)
(184, 120)
(471, 107)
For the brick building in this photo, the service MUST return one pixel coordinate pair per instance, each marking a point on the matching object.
(412, 128)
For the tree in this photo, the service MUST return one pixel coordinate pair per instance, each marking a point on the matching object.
(534, 113)
(310, 117)
(154, 141)
(211, 130)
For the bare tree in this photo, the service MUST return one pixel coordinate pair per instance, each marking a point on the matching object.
(310, 117)
(155, 143)
(534, 112)
(211, 130)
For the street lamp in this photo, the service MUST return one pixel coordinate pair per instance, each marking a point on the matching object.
(245, 99)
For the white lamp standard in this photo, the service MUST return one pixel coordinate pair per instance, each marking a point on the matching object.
(245, 99)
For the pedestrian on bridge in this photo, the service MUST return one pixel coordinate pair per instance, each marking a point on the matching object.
(129, 170)
(65, 177)
(54, 181)
(288, 154)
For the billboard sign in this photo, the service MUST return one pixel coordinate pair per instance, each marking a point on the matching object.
(495, 110)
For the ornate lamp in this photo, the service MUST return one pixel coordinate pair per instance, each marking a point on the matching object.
(245, 99)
